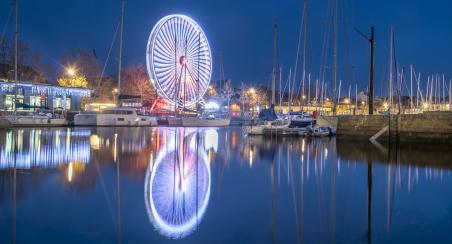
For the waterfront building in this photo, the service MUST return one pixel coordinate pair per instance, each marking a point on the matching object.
(40, 95)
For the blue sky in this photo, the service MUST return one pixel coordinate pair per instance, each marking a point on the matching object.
(242, 32)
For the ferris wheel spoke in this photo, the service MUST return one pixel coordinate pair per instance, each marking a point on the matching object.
(194, 82)
(164, 49)
(164, 37)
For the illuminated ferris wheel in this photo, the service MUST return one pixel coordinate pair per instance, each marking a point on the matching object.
(179, 61)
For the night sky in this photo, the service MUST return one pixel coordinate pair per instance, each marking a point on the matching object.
(242, 32)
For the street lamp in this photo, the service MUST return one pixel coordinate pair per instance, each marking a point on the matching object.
(70, 71)
(115, 92)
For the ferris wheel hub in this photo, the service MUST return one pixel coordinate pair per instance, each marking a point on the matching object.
(182, 60)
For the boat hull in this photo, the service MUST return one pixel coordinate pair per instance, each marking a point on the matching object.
(174, 122)
(35, 121)
(4, 123)
(254, 130)
(200, 122)
(113, 120)
(285, 131)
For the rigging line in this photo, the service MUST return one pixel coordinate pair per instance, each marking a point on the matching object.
(326, 36)
(108, 57)
(6, 23)
(297, 57)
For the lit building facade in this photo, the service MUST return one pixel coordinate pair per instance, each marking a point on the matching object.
(33, 95)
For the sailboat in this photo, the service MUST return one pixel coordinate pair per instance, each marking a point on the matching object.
(117, 116)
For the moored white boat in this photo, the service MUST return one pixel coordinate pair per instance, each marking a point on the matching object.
(301, 119)
(319, 131)
(119, 116)
(34, 120)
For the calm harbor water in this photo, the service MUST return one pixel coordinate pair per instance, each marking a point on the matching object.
(187, 185)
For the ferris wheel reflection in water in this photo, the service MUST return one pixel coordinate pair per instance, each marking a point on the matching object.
(177, 184)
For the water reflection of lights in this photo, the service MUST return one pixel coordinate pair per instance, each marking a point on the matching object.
(74, 169)
(177, 185)
(251, 158)
(43, 148)
(211, 140)
(69, 172)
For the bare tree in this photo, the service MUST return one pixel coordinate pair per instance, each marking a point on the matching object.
(136, 82)
(30, 63)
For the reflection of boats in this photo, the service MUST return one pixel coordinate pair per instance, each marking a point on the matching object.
(208, 121)
(119, 116)
(177, 184)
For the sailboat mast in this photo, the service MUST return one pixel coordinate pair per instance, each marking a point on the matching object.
(16, 36)
(175, 77)
(450, 93)
(411, 86)
(308, 102)
(290, 90)
(198, 69)
(120, 49)
(305, 24)
(280, 87)
(391, 71)
(335, 28)
(274, 63)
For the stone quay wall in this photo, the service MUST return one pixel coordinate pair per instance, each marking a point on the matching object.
(428, 125)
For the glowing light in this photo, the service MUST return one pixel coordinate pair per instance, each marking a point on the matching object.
(346, 101)
(252, 91)
(385, 105)
(251, 158)
(180, 37)
(211, 140)
(94, 141)
(115, 152)
(70, 71)
(303, 146)
(425, 105)
(69, 172)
